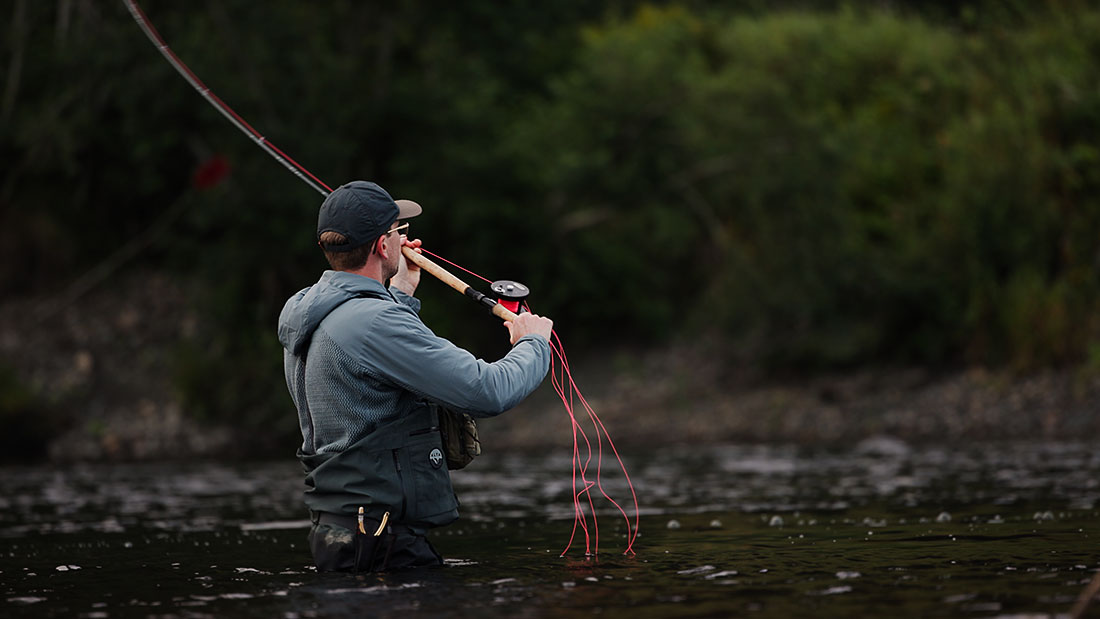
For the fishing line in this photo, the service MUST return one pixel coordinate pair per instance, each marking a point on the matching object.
(457, 266)
(562, 380)
(566, 389)
(601, 433)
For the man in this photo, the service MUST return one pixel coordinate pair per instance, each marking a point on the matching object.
(365, 374)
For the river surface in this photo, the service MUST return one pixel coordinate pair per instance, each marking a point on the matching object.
(998, 530)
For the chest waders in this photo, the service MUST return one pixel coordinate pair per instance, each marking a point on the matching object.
(398, 468)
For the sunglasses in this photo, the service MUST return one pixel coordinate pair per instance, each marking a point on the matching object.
(404, 228)
(400, 227)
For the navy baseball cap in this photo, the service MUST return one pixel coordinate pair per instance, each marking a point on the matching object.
(361, 211)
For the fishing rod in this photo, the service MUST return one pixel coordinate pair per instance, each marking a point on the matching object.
(510, 293)
(506, 306)
(240, 123)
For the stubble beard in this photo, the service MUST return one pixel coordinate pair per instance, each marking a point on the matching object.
(391, 269)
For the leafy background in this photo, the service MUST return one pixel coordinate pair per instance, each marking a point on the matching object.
(808, 186)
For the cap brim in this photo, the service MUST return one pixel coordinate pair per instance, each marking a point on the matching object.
(407, 209)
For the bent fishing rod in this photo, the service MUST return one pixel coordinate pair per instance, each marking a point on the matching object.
(238, 122)
(511, 292)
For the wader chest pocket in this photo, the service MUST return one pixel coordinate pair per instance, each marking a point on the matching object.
(431, 499)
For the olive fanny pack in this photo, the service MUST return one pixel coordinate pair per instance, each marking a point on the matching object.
(460, 441)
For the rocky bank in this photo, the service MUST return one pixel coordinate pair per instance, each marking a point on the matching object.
(102, 363)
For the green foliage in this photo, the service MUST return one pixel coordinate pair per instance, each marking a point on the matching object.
(232, 382)
(849, 187)
(28, 423)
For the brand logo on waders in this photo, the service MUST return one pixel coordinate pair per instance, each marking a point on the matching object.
(436, 457)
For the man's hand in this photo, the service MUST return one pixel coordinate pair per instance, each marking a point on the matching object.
(529, 324)
(408, 273)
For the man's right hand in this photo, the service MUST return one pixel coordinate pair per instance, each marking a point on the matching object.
(529, 324)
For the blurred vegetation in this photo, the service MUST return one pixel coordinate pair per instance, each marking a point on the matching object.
(28, 420)
(859, 183)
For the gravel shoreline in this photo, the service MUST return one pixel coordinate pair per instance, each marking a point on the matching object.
(677, 395)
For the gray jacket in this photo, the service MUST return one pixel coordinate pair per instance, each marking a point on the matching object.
(358, 360)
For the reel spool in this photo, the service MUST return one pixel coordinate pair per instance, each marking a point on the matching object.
(510, 294)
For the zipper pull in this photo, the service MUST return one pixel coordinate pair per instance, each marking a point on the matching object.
(362, 529)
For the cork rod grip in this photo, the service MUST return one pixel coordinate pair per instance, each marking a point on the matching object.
(446, 277)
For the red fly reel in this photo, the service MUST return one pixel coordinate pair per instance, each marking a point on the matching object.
(510, 294)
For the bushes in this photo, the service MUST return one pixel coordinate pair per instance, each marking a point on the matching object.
(846, 187)
(29, 422)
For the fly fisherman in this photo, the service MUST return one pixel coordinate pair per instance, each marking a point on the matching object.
(364, 373)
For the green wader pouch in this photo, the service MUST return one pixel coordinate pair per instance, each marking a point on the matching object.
(460, 441)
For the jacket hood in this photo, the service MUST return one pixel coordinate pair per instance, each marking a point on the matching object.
(304, 311)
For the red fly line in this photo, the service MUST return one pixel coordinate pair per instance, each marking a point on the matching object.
(560, 376)
(570, 394)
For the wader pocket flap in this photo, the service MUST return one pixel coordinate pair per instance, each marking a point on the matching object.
(431, 498)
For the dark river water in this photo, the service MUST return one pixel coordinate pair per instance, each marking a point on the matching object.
(998, 530)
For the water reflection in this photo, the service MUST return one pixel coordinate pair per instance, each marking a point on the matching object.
(883, 528)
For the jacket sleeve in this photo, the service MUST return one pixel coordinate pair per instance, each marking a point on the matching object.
(401, 297)
(402, 349)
